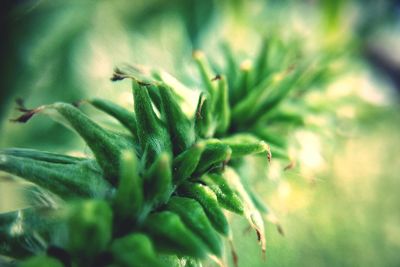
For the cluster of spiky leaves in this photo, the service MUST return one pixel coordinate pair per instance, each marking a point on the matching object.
(161, 189)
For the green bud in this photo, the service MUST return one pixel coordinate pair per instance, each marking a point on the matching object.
(172, 235)
(129, 196)
(221, 107)
(152, 135)
(186, 162)
(227, 198)
(134, 250)
(215, 152)
(62, 175)
(246, 144)
(180, 128)
(194, 217)
(89, 228)
(206, 72)
(204, 124)
(158, 180)
(124, 116)
(208, 200)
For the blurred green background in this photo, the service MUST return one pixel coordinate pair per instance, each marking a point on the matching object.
(340, 207)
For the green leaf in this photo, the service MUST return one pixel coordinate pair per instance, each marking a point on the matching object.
(105, 145)
(214, 153)
(204, 123)
(194, 217)
(186, 162)
(89, 228)
(129, 196)
(153, 137)
(227, 197)
(124, 116)
(134, 250)
(251, 213)
(246, 144)
(41, 155)
(158, 180)
(180, 128)
(208, 200)
(221, 107)
(172, 235)
(81, 179)
(206, 73)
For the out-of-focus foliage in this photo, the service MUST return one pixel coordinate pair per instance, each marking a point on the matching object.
(57, 50)
(348, 216)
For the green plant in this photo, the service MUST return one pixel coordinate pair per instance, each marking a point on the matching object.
(154, 195)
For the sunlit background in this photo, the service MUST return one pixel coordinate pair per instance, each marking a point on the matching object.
(338, 206)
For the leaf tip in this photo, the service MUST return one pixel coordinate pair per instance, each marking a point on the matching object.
(280, 230)
(246, 65)
(118, 75)
(27, 115)
(235, 257)
(267, 149)
(217, 77)
(198, 54)
(290, 166)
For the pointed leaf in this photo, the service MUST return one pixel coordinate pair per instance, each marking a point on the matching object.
(124, 116)
(158, 180)
(221, 107)
(253, 216)
(129, 196)
(246, 144)
(152, 135)
(215, 153)
(134, 250)
(83, 179)
(227, 197)
(180, 128)
(172, 235)
(194, 217)
(106, 146)
(208, 200)
(206, 72)
(185, 163)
